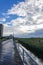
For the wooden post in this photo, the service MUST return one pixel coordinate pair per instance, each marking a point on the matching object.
(23, 56)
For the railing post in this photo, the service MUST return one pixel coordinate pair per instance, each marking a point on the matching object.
(18, 46)
(23, 56)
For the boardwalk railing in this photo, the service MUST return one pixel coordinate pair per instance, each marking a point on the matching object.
(27, 57)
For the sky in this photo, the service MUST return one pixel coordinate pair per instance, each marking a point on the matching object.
(24, 18)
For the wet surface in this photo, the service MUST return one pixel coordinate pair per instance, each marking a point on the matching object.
(7, 53)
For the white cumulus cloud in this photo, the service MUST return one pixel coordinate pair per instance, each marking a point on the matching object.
(33, 12)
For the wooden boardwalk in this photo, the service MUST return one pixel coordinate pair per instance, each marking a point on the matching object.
(9, 54)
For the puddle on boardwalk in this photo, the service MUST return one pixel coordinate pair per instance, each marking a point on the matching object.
(7, 53)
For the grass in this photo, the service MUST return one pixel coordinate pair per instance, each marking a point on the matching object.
(35, 45)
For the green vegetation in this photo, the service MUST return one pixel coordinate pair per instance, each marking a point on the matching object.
(35, 45)
(4, 38)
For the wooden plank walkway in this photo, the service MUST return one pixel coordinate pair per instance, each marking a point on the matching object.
(9, 54)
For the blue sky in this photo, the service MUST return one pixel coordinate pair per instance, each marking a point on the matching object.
(23, 17)
(7, 4)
